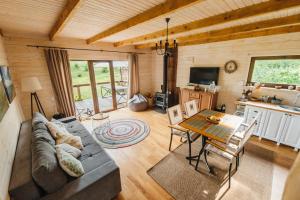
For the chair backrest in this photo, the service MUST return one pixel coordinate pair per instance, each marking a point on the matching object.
(191, 108)
(175, 115)
(248, 132)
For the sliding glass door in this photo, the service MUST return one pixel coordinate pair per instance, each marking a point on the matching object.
(104, 85)
(99, 86)
(82, 87)
(121, 82)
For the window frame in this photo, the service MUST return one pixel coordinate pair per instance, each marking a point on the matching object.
(272, 85)
(93, 83)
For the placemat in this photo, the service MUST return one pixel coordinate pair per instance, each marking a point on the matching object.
(197, 123)
(207, 113)
(220, 131)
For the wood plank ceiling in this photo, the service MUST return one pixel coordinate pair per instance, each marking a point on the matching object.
(84, 19)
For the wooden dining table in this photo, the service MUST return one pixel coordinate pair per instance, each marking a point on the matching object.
(221, 132)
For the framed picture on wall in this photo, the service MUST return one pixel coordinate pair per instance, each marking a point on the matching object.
(3, 100)
(7, 82)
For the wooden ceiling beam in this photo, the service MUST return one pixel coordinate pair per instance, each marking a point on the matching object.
(249, 11)
(69, 10)
(156, 11)
(294, 19)
(243, 35)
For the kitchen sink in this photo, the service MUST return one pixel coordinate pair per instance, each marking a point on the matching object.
(294, 108)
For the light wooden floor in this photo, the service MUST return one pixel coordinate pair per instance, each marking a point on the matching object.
(134, 161)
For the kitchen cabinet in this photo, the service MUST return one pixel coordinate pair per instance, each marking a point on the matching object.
(291, 131)
(206, 100)
(250, 113)
(273, 125)
(280, 127)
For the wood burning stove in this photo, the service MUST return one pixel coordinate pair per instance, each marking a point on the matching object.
(161, 100)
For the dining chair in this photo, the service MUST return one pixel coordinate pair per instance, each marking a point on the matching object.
(175, 117)
(231, 151)
(191, 108)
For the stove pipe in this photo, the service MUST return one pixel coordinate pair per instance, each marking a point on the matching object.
(165, 75)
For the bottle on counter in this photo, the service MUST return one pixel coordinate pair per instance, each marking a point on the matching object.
(223, 108)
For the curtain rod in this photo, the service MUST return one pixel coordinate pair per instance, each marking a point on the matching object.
(80, 49)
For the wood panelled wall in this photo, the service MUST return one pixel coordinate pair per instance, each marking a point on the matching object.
(27, 61)
(217, 54)
(9, 131)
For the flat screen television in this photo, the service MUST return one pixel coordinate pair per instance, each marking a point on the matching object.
(204, 75)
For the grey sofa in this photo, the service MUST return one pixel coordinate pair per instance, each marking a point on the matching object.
(36, 173)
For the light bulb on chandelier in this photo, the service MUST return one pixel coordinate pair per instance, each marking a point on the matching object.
(165, 49)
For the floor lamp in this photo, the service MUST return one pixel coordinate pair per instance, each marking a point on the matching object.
(32, 85)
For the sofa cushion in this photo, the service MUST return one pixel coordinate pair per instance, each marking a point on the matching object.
(70, 139)
(40, 130)
(76, 128)
(55, 128)
(68, 163)
(39, 126)
(92, 155)
(45, 166)
(41, 134)
(70, 149)
(38, 118)
(58, 123)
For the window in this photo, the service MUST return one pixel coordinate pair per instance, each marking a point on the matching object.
(271, 71)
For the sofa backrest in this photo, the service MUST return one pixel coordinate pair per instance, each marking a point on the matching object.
(45, 166)
(35, 162)
(21, 184)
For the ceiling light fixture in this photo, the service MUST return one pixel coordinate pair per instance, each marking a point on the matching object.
(165, 49)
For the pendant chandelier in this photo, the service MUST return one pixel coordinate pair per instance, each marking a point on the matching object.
(165, 49)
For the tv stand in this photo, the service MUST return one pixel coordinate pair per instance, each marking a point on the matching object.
(207, 100)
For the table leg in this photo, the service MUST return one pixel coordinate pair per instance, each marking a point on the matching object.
(200, 153)
(190, 157)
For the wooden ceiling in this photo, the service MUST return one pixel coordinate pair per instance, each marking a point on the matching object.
(141, 22)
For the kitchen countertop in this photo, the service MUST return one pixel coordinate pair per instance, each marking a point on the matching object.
(267, 106)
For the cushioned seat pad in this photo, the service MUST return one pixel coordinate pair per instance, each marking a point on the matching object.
(92, 155)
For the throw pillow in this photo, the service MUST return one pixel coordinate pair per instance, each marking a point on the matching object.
(54, 129)
(70, 139)
(68, 163)
(59, 124)
(70, 149)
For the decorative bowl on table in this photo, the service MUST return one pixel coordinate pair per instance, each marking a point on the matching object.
(213, 119)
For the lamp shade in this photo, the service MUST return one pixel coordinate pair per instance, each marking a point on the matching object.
(30, 84)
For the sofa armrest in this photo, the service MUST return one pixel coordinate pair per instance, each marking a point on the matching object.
(67, 119)
(101, 183)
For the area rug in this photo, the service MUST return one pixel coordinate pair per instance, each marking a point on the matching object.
(253, 180)
(121, 133)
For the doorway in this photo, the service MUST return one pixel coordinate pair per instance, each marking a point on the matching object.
(99, 86)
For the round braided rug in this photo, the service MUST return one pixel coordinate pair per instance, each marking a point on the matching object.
(121, 133)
